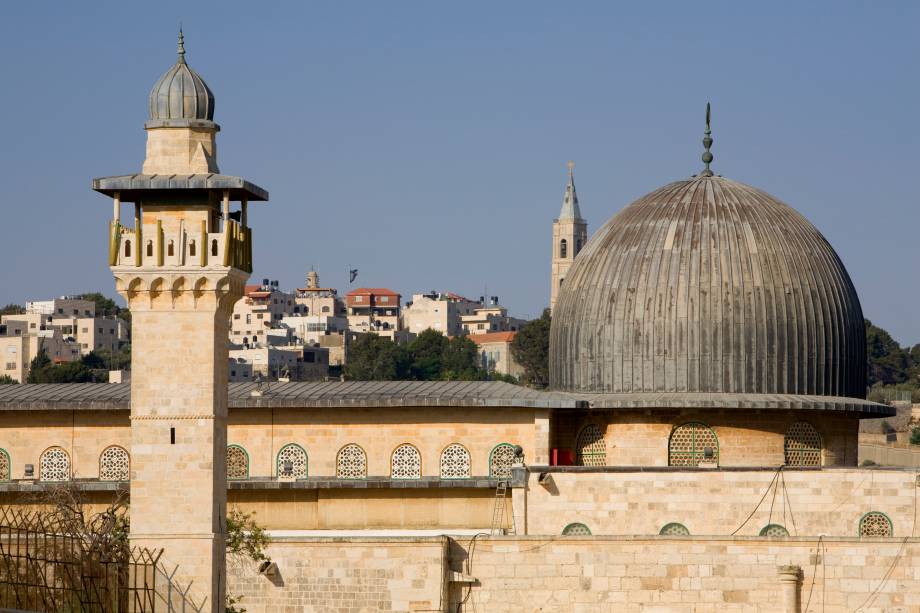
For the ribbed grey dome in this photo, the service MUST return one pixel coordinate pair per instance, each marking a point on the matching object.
(181, 94)
(708, 285)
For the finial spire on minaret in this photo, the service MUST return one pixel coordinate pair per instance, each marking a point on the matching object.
(571, 166)
(181, 48)
(707, 143)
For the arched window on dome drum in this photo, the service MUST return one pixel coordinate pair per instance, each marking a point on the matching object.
(54, 465)
(774, 530)
(6, 466)
(576, 529)
(406, 463)
(802, 445)
(351, 462)
(674, 529)
(455, 462)
(693, 444)
(292, 462)
(237, 462)
(875, 523)
(590, 449)
(114, 464)
(127, 249)
(563, 249)
(501, 460)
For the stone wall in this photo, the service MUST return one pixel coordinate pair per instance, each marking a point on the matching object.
(890, 455)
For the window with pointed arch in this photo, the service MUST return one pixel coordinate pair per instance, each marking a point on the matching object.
(674, 529)
(563, 249)
(693, 444)
(875, 523)
(802, 445)
(576, 529)
(351, 462)
(114, 464)
(214, 246)
(149, 249)
(590, 449)
(292, 462)
(127, 248)
(455, 462)
(774, 530)
(6, 466)
(501, 459)
(237, 462)
(406, 463)
(54, 465)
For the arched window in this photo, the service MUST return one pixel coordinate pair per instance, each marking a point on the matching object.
(501, 460)
(674, 529)
(6, 467)
(576, 529)
(114, 464)
(590, 449)
(774, 530)
(875, 523)
(292, 461)
(54, 465)
(563, 249)
(693, 444)
(406, 463)
(214, 246)
(127, 249)
(237, 462)
(351, 462)
(191, 248)
(455, 462)
(170, 249)
(802, 445)
(149, 249)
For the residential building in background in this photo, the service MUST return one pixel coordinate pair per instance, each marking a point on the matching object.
(290, 362)
(316, 300)
(77, 321)
(490, 316)
(375, 309)
(260, 309)
(495, 353)
(439, 311)
(19, 346)
(570, 233)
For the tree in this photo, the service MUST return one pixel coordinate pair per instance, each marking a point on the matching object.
(12, 309)
(41, 370)
(7, 380)
(888, 363)
(427, 350)
(106, 306)
(530, 348)
(373, 358)
(459, 360)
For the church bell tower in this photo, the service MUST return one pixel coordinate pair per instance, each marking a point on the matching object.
(570, 233)
(181, 266)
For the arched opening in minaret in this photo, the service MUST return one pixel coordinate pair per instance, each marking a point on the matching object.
(563, 249)
(170, 249)
(127, 249)
(214, 246)
(191, 248)
(149, 249)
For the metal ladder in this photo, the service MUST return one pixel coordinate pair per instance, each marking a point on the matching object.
(498, 510)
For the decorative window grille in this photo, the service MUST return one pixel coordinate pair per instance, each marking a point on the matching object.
(292, 461)
(693, 444)
(5, 466)
(237, 462)
(501, 460)
(576, 529)
(875, 524)
(114, 464)
(351, 463)
(803, 445)
(674, 529)
(406, 463)
(774, 530)
(590, 449)
(54, 465)
(455, 462)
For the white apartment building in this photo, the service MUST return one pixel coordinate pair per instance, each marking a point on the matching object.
(77, 321)
(261, 308)
(293, 362)
(441, 311)
(19, 346)
(490, 317)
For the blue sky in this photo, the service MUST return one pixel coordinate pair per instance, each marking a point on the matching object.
(425, 143)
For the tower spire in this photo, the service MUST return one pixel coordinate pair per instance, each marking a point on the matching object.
(707, 143)
(181, 49)
(570, 208)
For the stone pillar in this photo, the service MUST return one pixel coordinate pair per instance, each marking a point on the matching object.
(790, 580)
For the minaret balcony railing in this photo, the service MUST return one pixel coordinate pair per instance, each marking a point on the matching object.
(186, 248)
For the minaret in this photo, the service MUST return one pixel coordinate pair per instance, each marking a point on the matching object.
(570, 233)
(181, 267)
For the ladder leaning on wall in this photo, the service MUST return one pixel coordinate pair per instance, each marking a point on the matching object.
(498, 510)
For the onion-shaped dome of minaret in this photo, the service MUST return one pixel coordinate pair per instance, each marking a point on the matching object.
(709, 288)
(181, 96)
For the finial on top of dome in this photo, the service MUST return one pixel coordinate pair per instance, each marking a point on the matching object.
(707, 142)
(181, 48)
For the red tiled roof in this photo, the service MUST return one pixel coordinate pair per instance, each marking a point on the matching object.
(251, 288)
(492, 337)
(377, 291)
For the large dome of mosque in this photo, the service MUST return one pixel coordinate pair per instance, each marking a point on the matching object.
(708, 285)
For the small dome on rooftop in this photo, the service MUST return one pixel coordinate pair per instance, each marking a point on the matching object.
(181, 93)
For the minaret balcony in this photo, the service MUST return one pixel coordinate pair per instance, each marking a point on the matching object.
(152, 247)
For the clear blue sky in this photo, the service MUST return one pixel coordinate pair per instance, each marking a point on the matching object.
(425, 142)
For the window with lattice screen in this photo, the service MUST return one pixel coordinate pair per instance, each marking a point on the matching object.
(693, 444)
(455, 462)
(674, 529)
(54, 465)
(114, 464)
(774, 530)
(802, 445)
(292, 462)
(590, 449)
(6, 467)
(237, 462)
(576, 529)
(406, 463)
(501, 460)
(351, 462)
(875, 524)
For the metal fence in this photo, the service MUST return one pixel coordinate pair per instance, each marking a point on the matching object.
(44, 566)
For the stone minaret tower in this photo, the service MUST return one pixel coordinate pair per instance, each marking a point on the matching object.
(570, 233)
(181, 266)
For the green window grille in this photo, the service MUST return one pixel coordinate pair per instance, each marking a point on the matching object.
(693, 444)
(237, 462)
(590, 449)
(802, 445)
(501, 460)
(576, 529)
(774, 530)
(875, 523)
(674, 529)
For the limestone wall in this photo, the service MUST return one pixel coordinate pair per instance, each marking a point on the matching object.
(890, 455)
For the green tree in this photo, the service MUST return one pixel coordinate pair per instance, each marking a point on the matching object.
(459, 360)
(530, 348)
(41, 370)
(373, 358)
(888, 363)
(106, 306)
(7, 380)
(12, 309)
(427, 351)
(104, 359)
